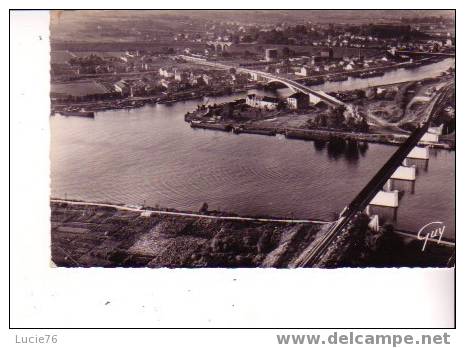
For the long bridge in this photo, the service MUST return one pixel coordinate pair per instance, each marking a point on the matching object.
(315, 96)
(375, 185)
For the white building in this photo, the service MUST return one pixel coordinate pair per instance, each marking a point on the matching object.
(122, 87)
(166, 72)
(304, 71)
(262, 102)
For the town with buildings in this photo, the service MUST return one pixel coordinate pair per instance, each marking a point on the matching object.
(153, 71)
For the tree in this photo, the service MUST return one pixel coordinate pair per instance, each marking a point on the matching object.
(363, 125)
(336, 119)
(286, 52)
(322, 121)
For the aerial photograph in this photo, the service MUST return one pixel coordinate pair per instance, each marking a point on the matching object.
(252, 138)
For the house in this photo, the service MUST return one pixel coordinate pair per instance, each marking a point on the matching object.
(180, 75)
(167, 83)
(195, 80)
(122, 87)
(262, 102)
(137, 88)
(254, 76)
(304, 71)
(298, 101)
(283, 70)
(207, 79)
(270, 69)
(327, 53)
(349, 67)
(166, 72)
(271, 54)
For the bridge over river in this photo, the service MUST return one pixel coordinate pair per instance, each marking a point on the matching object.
(315, 96)
(375, 185)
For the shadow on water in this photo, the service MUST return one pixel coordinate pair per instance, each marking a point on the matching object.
(336, 147)
(352, 153)
(363, 148)
(319, 145)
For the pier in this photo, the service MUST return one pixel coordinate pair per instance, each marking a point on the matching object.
(421, 153)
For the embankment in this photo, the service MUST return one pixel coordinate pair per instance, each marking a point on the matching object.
(318, 135)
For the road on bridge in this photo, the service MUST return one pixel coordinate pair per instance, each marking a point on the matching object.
(291, 83)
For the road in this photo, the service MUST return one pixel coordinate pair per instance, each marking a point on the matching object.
(432, 54)
(377, 182)
(172, 213)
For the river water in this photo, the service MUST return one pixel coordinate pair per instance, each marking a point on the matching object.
(394, 76)
(150, 155)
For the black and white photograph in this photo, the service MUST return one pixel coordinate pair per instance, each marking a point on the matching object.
(252, 176)
(238, 139)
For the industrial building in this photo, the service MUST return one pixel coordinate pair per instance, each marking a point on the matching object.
(298, 101)
(271, 54)
(262, 102)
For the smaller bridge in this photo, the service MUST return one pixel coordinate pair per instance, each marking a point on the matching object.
(315, 96)
(219, 45)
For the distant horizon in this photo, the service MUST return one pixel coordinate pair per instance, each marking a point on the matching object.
(78, 25)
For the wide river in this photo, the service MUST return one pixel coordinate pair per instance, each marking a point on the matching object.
(150, 155)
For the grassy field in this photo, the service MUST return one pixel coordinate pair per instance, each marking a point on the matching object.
(108, 54)
(60, 57)
(86, 236)
(78, 89)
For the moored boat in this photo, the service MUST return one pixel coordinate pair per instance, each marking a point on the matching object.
(79, 113)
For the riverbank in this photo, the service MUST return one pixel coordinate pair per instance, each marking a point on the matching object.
(384, 116)
(371, 71)
(317, 135)
(106, 235)
(138, 102)
(85, 235)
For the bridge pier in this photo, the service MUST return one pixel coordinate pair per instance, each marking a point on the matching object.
(405, 173)
(419, 157)
(384, 204)
(384, 213)
(400, 185)
(419, 153)
(429, 138)
(374, 224)
(420, 164)
(402, 179)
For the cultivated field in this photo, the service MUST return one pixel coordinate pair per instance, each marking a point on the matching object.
(77, 89)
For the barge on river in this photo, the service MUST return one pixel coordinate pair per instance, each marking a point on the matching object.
(78, 113)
